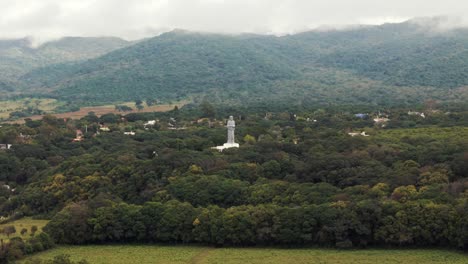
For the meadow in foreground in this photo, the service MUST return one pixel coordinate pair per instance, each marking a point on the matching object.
(119, 254)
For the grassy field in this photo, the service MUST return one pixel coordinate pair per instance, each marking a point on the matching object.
(106, 109)
(44, 104)
(23, 223)
(207, 255)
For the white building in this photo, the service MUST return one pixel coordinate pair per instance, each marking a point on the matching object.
(363, 134)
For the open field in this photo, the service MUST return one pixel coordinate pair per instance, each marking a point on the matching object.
(44, 104)
(120, 254)
(106, 109)
(428, 134)
(27, 223)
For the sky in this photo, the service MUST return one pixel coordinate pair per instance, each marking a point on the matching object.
(133, 19)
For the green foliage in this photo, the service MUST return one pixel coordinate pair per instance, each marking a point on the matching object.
(342, 224)
(207, 109)
(397, 64)
(124, 108)
(301, 183)
(9, 230)
(17, 57)
(17, 248)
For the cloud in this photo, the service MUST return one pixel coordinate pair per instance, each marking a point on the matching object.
(49, 19)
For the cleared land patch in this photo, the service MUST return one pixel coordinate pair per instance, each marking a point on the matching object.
(106, 109)
(27, 223)
(43, 104)
(142, 254)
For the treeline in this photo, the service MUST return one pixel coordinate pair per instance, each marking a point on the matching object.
(16, 248)
(341, 224)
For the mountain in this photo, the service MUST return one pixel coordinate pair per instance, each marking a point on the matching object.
(403, 63)
(17, 57)
(405, 54)
(171, 66)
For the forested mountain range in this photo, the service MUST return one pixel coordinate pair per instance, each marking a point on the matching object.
(403, 63)
(19, 56)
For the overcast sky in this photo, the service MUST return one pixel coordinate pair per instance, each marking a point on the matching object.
(132, 19)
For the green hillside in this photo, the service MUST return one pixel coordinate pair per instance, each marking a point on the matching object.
(392, 64)
(389, 64)
(171, 66)
(422, 58)
(18, 57)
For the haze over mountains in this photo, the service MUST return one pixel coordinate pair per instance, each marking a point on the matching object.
(399, 63)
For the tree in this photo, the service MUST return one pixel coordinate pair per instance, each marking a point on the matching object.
(272, 169)
(33, 230)
(123, 108)
(139, 104)
(435, 177)
(151, 101)
(91, 117)
(404, 193)
(70, 225)
(249, 139)
(195, 169)
(207, 109)
(23, 231)
(8, 230)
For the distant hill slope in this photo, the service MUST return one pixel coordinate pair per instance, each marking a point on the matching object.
(171, 66)
(18, 57)
(393, 63)
(403, 54)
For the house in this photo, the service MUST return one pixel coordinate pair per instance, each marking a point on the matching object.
(5, 146)
(150, 123)
(412, 113)
(380, 120)
(131, 133)
(360, 115)
(7, 187)
(24, 139)
(176, 128)
(104, 128)
(201, 120)
(79, 136)
(363, 134)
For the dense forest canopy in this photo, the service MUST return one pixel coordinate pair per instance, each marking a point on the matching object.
(299, 178)
(19, 56)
